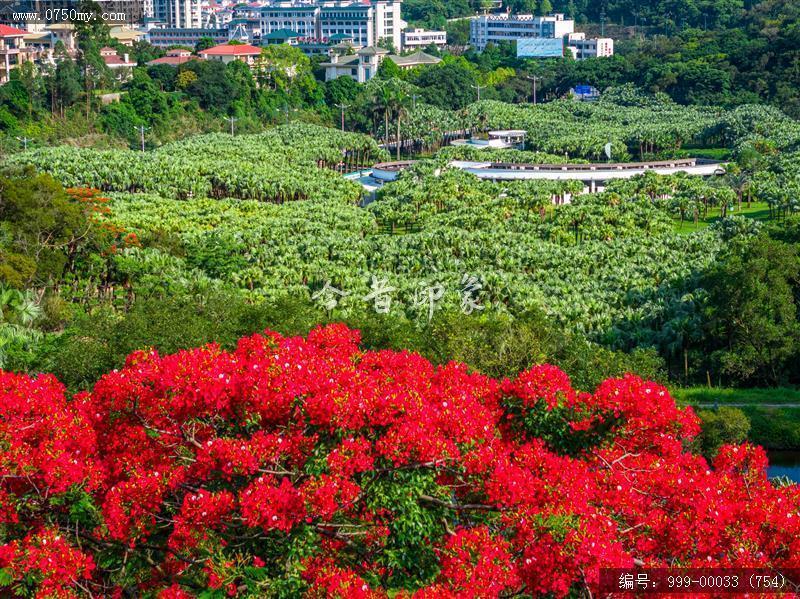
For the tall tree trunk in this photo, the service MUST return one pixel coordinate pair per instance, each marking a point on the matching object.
(398, 135)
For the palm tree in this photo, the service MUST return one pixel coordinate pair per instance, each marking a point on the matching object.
(399, 104)
(383, 101)
(739, 180)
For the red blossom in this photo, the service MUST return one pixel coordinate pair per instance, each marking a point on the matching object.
(288, 456)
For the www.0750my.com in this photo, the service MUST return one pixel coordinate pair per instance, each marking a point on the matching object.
(55, 15)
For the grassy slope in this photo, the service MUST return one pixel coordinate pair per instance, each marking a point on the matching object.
(773, 427)
(704, 395)
(757, 211)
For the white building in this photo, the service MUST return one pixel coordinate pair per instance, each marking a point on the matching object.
(164, 37)
(487, 29)
(285, 15)
(366, 22)
(416, 39)
(183, 14)
(360, 66)
(364, 64)
(583, 47)
(388, 23)
(349, 18)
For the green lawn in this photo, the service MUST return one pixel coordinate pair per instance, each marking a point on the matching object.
(756, 211)
(774, 427)
(721, 154)
(704, 395)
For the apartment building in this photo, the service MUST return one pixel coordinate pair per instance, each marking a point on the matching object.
(303, 19)
(416, 39)
(12, 50)
(583, 47)
(180, 14)
(366, 22)
(487, 29)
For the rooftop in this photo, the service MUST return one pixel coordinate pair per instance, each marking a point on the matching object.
(232, 50)
(281, 34)
(6, 31)
(121, 33)
(343, 61)
(174, 60)
(417, 58)
(372, 51)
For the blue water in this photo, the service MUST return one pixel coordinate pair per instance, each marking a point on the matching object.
(784, 463)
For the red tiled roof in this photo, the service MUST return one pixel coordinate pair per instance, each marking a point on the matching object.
(173, 60)
(6, 31)
(232, 50)
(115, 60)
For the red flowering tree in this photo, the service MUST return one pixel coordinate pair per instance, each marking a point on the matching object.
(298, 466)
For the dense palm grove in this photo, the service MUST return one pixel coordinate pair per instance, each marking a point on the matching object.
(267, 219)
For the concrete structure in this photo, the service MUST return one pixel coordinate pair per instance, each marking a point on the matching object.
(487, 29)
(583, 47)
(12, 50)
(228, 53)
(179, 36)
(180, 14)
(366, 21)
(276, 16)
(417, 39)
(510, 139)
(245, 30)
(353, 19)
(593, 176)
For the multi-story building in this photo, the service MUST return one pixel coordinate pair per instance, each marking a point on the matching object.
(388, 24)
(487, 29)
(12, 50)
(422, 38)
(367, 22)
(183, 14)
(353, 19)
(583, 47)
(165, 37)
(363, 65)
(285, 15)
